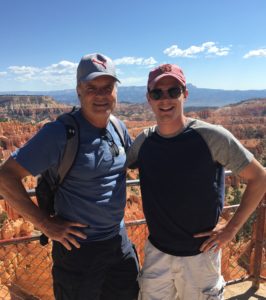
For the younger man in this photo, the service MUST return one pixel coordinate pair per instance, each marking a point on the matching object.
(181, 164)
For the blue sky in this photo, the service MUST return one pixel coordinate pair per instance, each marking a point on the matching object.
(219, 44)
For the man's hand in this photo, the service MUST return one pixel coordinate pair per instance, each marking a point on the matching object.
(255, 175)
(13, 191)
(63, 231)
(218, 237)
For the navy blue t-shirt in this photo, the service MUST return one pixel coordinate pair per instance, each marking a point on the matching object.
(182, 182)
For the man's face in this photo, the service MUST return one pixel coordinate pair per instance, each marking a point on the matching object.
(166, 108)
(97, 97)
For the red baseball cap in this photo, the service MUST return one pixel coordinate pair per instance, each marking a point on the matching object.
(166, 70)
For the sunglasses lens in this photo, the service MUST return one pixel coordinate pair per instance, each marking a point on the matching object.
(174, 92)
(156, 94)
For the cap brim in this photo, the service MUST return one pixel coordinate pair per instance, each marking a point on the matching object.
(95, 75)
(154, 81)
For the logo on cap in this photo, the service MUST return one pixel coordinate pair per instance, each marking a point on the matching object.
(102, 63)
(166, 68)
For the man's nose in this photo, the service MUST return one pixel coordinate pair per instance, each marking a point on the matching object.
(101, 92)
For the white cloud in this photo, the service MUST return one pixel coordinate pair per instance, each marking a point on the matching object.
(129, 60)
(23, 70)
(62, 73)
(258, 53)
(63, 67)
(149, 61)
(206, 48)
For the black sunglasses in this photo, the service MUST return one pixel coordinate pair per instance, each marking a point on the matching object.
(173, 93)
(106, 135)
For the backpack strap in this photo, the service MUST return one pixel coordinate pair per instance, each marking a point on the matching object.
(118, 128)
(45, 197)
(72, 145)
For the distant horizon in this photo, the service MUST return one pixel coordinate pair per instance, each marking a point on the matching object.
(132, 94)
(128, 86)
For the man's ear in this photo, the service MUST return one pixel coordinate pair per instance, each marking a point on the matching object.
(186, 94)
(77, 89)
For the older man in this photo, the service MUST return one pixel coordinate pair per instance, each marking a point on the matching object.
(92, 255)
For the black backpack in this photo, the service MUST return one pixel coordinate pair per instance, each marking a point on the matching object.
(46, 184)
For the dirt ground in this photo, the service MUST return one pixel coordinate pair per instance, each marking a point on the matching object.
(244, 291)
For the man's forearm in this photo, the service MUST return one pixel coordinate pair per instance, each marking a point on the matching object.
(251, 198)
(13, 191)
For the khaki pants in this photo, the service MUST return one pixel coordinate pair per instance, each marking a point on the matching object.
(167, 277)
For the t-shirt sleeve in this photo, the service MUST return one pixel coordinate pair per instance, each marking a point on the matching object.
(44, 150)
(128, 140)
(225, 148)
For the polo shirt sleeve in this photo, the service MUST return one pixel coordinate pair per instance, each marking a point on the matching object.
(44, 150)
